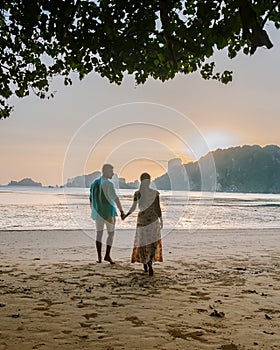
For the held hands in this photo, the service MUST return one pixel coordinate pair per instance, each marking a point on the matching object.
(126, 215)
(123, 215)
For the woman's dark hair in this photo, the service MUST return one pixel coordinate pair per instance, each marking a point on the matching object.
(145, 176)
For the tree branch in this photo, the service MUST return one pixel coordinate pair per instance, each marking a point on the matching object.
(131, 32)
(71, 19)
(269, 12)
(163, 8)
(252, 30)
(5, 67)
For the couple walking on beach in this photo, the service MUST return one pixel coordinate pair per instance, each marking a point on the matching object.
(103, 201)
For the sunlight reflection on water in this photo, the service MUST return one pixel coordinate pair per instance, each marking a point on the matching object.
(47, 208)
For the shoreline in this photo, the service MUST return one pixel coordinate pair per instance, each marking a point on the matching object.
(216, 289)
(129, 229)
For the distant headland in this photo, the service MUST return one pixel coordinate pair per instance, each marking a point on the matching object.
(243, 169)
(25, 182)
(247, 169)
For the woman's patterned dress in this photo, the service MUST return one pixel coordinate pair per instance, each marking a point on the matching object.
(147, 242)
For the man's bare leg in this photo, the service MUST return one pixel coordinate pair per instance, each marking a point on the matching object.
(99, 245)
(108, 248)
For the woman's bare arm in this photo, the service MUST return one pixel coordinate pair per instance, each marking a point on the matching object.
(134, 205)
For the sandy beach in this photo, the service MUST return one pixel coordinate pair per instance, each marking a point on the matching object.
(216, 289)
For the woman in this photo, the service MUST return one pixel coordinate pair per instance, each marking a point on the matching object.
(147, 243)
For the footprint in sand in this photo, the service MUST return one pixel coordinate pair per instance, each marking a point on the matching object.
(37, 346)
(85, 324)
(52, 314)
(115, 304)
(91, 315)
(47, 301)
(177, 332)
(200, 295)
(135, 320)
(41, 308)
(228, 347)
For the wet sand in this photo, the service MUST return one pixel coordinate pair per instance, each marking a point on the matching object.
(216, 289)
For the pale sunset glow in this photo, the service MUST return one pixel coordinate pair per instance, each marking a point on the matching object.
(221, 139)
(132, 170)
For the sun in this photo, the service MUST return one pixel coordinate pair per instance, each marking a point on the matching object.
(220, 139)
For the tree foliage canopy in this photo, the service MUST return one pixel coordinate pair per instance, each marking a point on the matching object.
(156, 38)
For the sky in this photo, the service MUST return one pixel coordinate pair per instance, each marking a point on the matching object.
(139, 128)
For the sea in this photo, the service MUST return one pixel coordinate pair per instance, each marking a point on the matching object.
(44, 208)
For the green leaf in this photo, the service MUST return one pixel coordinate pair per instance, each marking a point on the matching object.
(43, 38)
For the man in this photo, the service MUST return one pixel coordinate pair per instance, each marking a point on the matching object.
(103, 198)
